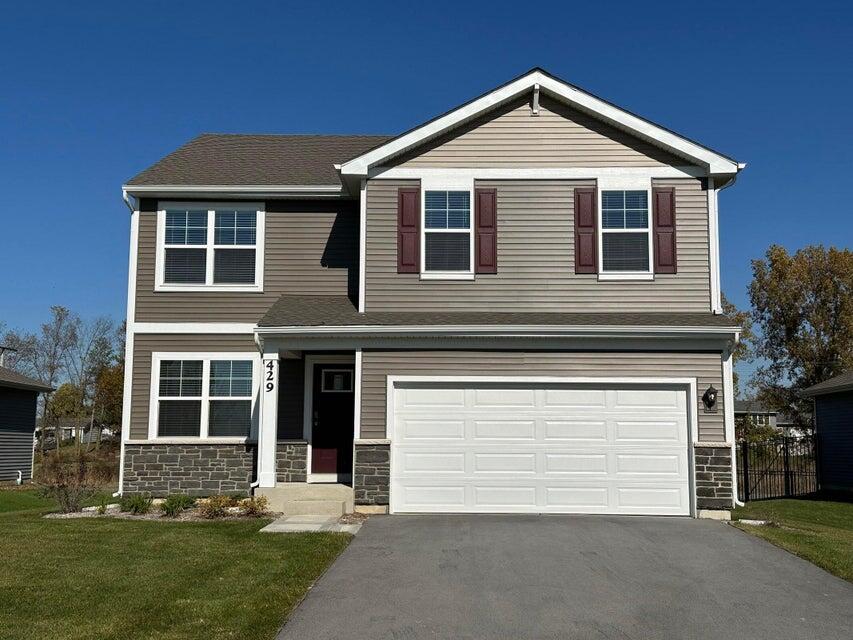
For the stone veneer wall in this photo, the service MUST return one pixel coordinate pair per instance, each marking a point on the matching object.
(193, 469)
(713, 477)
(372, 474)
(291, 462)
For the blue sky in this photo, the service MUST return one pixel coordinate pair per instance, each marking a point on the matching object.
(92, 93)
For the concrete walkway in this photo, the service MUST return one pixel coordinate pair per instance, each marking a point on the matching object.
(513, 577)
(298, 524)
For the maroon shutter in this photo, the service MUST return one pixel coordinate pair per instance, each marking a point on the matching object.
(486, 231)
(408, 230)
(586, 241)
(663, 227)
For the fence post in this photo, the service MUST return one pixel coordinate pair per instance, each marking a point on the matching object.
(787, 467)
(745, 456)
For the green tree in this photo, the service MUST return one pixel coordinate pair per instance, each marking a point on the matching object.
(803, 306)
(743, 350)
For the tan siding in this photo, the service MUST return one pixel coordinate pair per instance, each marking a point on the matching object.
(145, 344)
(558, 137)
(536, 257)
(311, 252)
(706, 367)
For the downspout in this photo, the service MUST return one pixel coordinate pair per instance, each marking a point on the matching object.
(257, 481)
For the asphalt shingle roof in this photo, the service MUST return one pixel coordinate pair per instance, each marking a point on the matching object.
(9, 378)
(262, 160)
(315, 311)
(841, 382)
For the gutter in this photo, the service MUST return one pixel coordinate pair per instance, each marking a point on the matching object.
(219, 190)
(498, 331)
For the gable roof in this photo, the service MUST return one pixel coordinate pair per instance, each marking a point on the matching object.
(262, 161)
(751, 406)
(713, 161)
(841, 382)
(10, 378)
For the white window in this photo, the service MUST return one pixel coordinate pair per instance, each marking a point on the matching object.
(210, 246)
(626, 233)
(203, 396)
(448, 243)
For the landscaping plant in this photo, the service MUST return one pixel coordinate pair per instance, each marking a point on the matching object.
(255, 506)
(216, 506)
(136, 503)
(176, 503)
(69, 476)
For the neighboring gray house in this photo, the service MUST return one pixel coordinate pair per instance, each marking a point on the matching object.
(833, 420)
(513, 307)
(761, 415)
(18, 401)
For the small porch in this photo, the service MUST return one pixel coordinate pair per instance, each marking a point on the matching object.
(307, 431)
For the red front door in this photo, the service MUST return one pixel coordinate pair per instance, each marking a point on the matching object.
(332, 419)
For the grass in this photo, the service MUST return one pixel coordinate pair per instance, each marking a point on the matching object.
(820, 531)
(22, 500)
(108, 578)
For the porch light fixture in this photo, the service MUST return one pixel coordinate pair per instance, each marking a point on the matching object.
(709, 398)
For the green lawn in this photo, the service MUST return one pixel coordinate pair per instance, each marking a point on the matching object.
(107, 578)
(22, 500)
(817, 530)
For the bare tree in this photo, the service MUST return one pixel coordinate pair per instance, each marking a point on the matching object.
(90, 353)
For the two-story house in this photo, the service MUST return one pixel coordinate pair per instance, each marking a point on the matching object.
(513, 307)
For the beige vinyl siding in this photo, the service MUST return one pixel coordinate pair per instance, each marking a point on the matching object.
(558, 137)
(377, 365)
(536, 257)
(313, 251)
(145, 344)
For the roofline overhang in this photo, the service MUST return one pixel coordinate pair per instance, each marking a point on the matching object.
(235, 191)
(713, 162)
(498, 331)
(807, 393)
(38, 388)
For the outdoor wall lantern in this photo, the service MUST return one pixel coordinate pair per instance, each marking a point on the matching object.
(709, 398)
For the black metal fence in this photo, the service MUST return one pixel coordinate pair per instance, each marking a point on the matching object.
(777, 468)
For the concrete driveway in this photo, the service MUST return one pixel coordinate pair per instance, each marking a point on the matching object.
(490, 577)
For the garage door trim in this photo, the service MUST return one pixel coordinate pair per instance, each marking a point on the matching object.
(688, 384)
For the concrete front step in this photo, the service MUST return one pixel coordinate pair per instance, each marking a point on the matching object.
(314, 508)
(301, 498)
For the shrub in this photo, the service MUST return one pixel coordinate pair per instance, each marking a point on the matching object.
(216, 506)
(69, 477)
(102, 505)
(255, 507)
(175, 503)
(136, 503)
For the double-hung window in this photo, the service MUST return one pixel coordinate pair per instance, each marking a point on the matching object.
(202, 396)
(448, 242)
(210, 247)
(626, 234)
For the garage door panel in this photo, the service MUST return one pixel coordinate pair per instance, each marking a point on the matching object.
(504, 463)
(504, 429)
(430, 429)
(542, 449)
(430, 396)
(577, 429)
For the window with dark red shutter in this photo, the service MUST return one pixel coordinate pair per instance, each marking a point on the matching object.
(663, 227)
(408, 230)
(586, 254)
(486, 230)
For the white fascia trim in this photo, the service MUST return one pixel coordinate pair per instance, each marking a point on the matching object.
(193, 327)
(192, 441)
(714, 253)
(541, 173)
(199, 191)
(713, 162)
(362, 245)
(128, 343)
(502, 331)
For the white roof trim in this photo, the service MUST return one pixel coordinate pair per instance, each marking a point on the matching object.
(710, 160)
(499, 331)
(172, 190)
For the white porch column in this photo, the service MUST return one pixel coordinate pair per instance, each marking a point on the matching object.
(268, 432)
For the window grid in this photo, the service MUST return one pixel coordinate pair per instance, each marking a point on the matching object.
(215, 394)
(625, 232)
(215, 246)
(445, 213)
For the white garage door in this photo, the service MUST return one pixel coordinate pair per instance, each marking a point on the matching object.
(539, 448)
